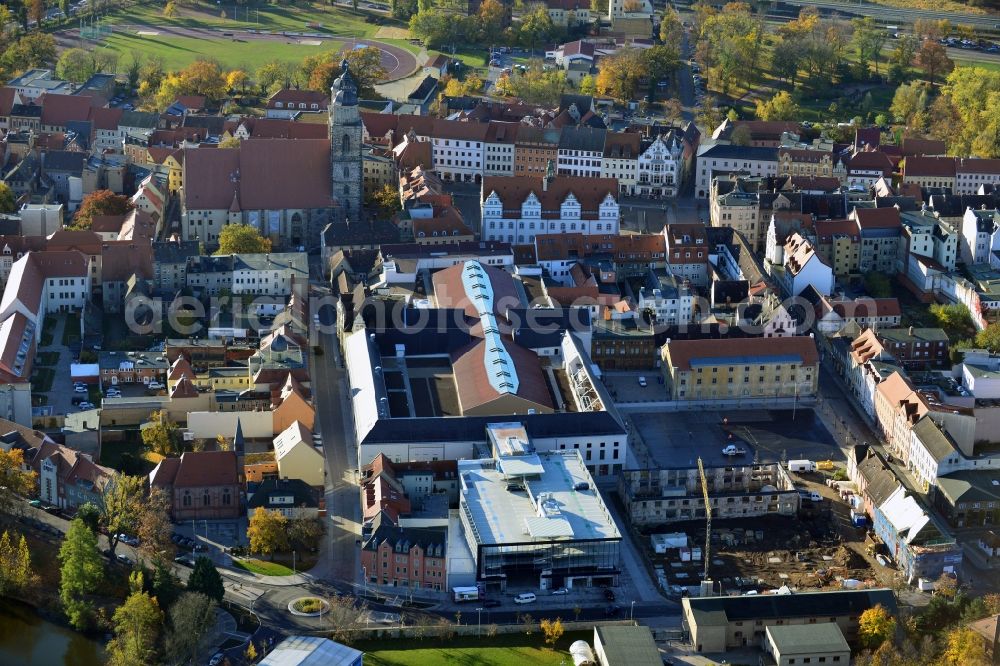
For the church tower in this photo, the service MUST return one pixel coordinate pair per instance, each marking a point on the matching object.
(345, 144)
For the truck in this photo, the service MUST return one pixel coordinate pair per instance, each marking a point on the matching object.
(465, 593)
(801, 466)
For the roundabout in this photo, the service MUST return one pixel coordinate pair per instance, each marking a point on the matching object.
(308, 607)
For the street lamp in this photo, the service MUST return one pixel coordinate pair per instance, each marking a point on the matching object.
(364, 572)
(479, 629)
(631, 612)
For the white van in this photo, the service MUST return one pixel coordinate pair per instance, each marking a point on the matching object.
(524, 598)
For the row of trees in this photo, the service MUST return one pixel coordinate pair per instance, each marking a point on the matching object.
(623, 73)
(443, 26)
(270, 532)
(936, 635)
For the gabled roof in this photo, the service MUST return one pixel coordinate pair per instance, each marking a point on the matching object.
(915, 167)
(514, 190)
(206, 468)
(685, 354)
(57, 110)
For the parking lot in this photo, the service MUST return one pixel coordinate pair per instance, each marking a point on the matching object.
(627, 387)
(678, 439)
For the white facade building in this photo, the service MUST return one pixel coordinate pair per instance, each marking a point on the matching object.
(659, 168)
(516, 209)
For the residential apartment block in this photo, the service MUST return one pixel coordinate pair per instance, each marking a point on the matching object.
(740, 369)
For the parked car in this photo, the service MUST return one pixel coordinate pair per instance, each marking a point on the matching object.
(216, 659)
(525, 598)
(184, 560)
(733, 450)
(155, 385)
(642, 382)
(84, 406)
(113, 393)
(79, 389)
(124, 559)
(561, 590)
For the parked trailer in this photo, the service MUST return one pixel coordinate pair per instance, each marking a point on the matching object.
(801, 466)
(465, 593)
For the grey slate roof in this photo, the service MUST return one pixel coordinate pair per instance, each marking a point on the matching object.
(64, 160)
(934, 439)
(583, 139)
(802, 604)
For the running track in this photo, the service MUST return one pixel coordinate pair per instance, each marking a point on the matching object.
(398, 62)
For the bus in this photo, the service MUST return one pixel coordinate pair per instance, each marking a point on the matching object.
(465, 593)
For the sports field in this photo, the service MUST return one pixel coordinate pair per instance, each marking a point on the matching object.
(232, 52)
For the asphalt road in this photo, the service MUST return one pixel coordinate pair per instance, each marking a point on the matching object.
(886, 14)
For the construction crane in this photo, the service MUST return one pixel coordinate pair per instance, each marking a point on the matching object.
(708, 517)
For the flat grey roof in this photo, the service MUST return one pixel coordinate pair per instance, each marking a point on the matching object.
(501, 516)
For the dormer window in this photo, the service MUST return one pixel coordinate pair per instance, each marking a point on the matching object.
(279, 105)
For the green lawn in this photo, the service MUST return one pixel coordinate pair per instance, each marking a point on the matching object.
(501, 650)
(295, 17)
(178, 52)
(263, 567)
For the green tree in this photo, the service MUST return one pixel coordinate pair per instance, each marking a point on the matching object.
(489, 21)
(437, 28)
(16, 573)
(164, 585)
(535, 28)
(536, 86)
(875, 626)
(8, 204)
(588, 86)
(620, 74)
(137, 624)
(76, 65)
(661, 61)
(205, 578)
(955, 319)
(671, 30)
(304, 533)
(81, 573)
(90, 514)
(909, 104)
(905, 51)
(100, 202)
(15, 482)
(877, 285)
(779, 107)
(160, 434)
(191, 621)
(242, 239)
(385, 200)
(268, 531)
(122, 504)
(868, 39)
(270, 75)
(989, 338)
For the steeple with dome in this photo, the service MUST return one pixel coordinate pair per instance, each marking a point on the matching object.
(345, 143)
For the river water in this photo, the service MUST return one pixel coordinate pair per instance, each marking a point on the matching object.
(26, 639)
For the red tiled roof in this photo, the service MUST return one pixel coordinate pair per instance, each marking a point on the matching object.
(917, 166)
(876, 218)
(917, 146)
(579, 47)
(105, 118)
(449, 290)
(207, 468)
(973, 165)
(473, 384)
(513, 190)
(267, 175)
(870, 161)
(59, 109)
(292, 96)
